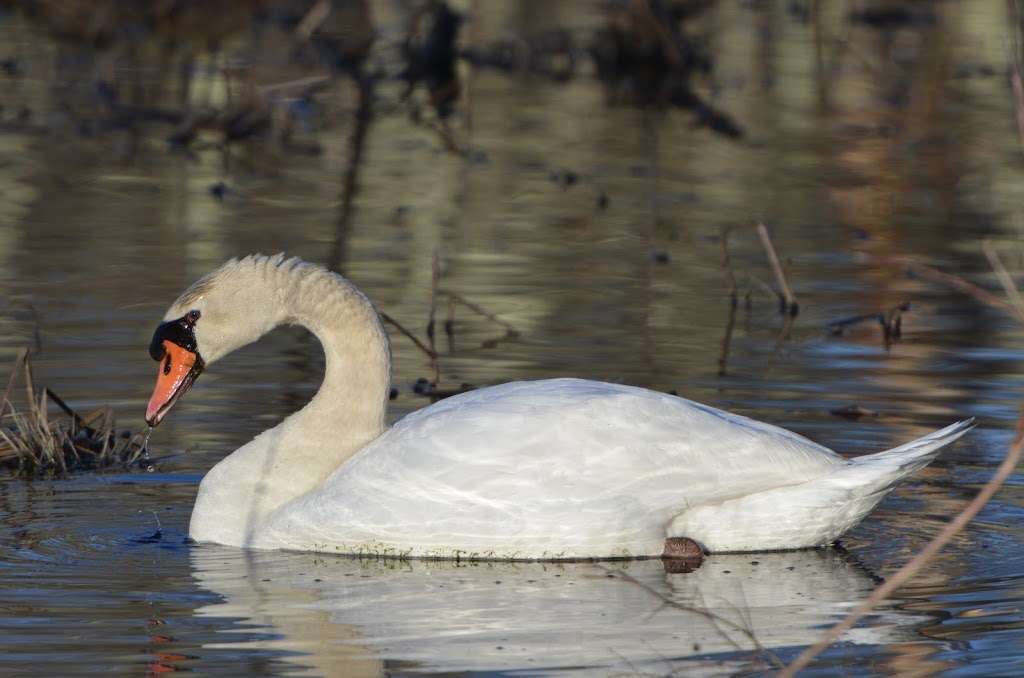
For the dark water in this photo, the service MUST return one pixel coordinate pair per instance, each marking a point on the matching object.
(903, 145)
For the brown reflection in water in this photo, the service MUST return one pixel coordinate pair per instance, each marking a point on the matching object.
(304, 630)
(350, 182)
(911, 659)
(897, 160)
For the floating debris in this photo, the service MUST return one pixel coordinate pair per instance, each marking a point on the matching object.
(854, 412)
(425, 387)
(566, 178)
(35, 443)
(891, 322)
(659, 256)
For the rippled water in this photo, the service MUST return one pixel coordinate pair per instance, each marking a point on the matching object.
(906, 147)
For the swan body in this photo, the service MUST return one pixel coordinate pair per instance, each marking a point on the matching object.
(553, 469)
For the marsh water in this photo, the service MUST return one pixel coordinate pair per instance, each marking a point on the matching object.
(596, 231)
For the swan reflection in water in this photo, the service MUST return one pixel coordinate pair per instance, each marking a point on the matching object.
(344, 616)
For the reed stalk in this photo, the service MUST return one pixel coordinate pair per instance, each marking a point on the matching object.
(35, 442)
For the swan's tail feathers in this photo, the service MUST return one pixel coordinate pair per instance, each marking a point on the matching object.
(879, 472)
(814, 512)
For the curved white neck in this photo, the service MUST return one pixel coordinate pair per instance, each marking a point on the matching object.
(347, 412)
(350, 406)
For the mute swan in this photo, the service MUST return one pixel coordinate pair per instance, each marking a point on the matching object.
(560, 468)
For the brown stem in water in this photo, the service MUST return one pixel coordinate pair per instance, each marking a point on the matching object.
(789, 304)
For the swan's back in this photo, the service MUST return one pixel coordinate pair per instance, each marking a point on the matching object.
(543, 469)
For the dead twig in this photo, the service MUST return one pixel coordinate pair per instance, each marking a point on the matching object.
(59, 402)
(1012, 293)
(409, 335)
(890, 321)
(313, 19)
(970, 289)
(787, 301)
(509, 329)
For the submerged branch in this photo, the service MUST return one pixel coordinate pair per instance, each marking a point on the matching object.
(970, 289)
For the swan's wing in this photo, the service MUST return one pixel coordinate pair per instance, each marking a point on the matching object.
(552, 468)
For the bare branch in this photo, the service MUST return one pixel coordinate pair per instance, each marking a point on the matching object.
(788, 299)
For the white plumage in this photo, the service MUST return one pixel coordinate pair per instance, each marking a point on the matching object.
(561, 468)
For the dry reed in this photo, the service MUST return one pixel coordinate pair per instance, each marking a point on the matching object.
(35, 442)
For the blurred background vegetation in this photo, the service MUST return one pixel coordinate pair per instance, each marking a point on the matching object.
(574, 167)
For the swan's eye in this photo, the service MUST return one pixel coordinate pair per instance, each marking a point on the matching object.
(180, 332)
(167, 364)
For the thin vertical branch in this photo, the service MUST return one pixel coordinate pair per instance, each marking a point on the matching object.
(723, 357)
(727, 264)
(449, 325)
(788, 300)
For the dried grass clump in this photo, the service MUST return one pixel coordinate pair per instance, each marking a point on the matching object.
(36, 443)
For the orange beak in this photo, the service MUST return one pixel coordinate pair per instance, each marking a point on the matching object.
(179, 367)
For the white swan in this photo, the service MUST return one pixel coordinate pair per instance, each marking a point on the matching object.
(561, 468)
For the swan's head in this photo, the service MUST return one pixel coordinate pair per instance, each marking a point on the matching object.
(225, 310)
